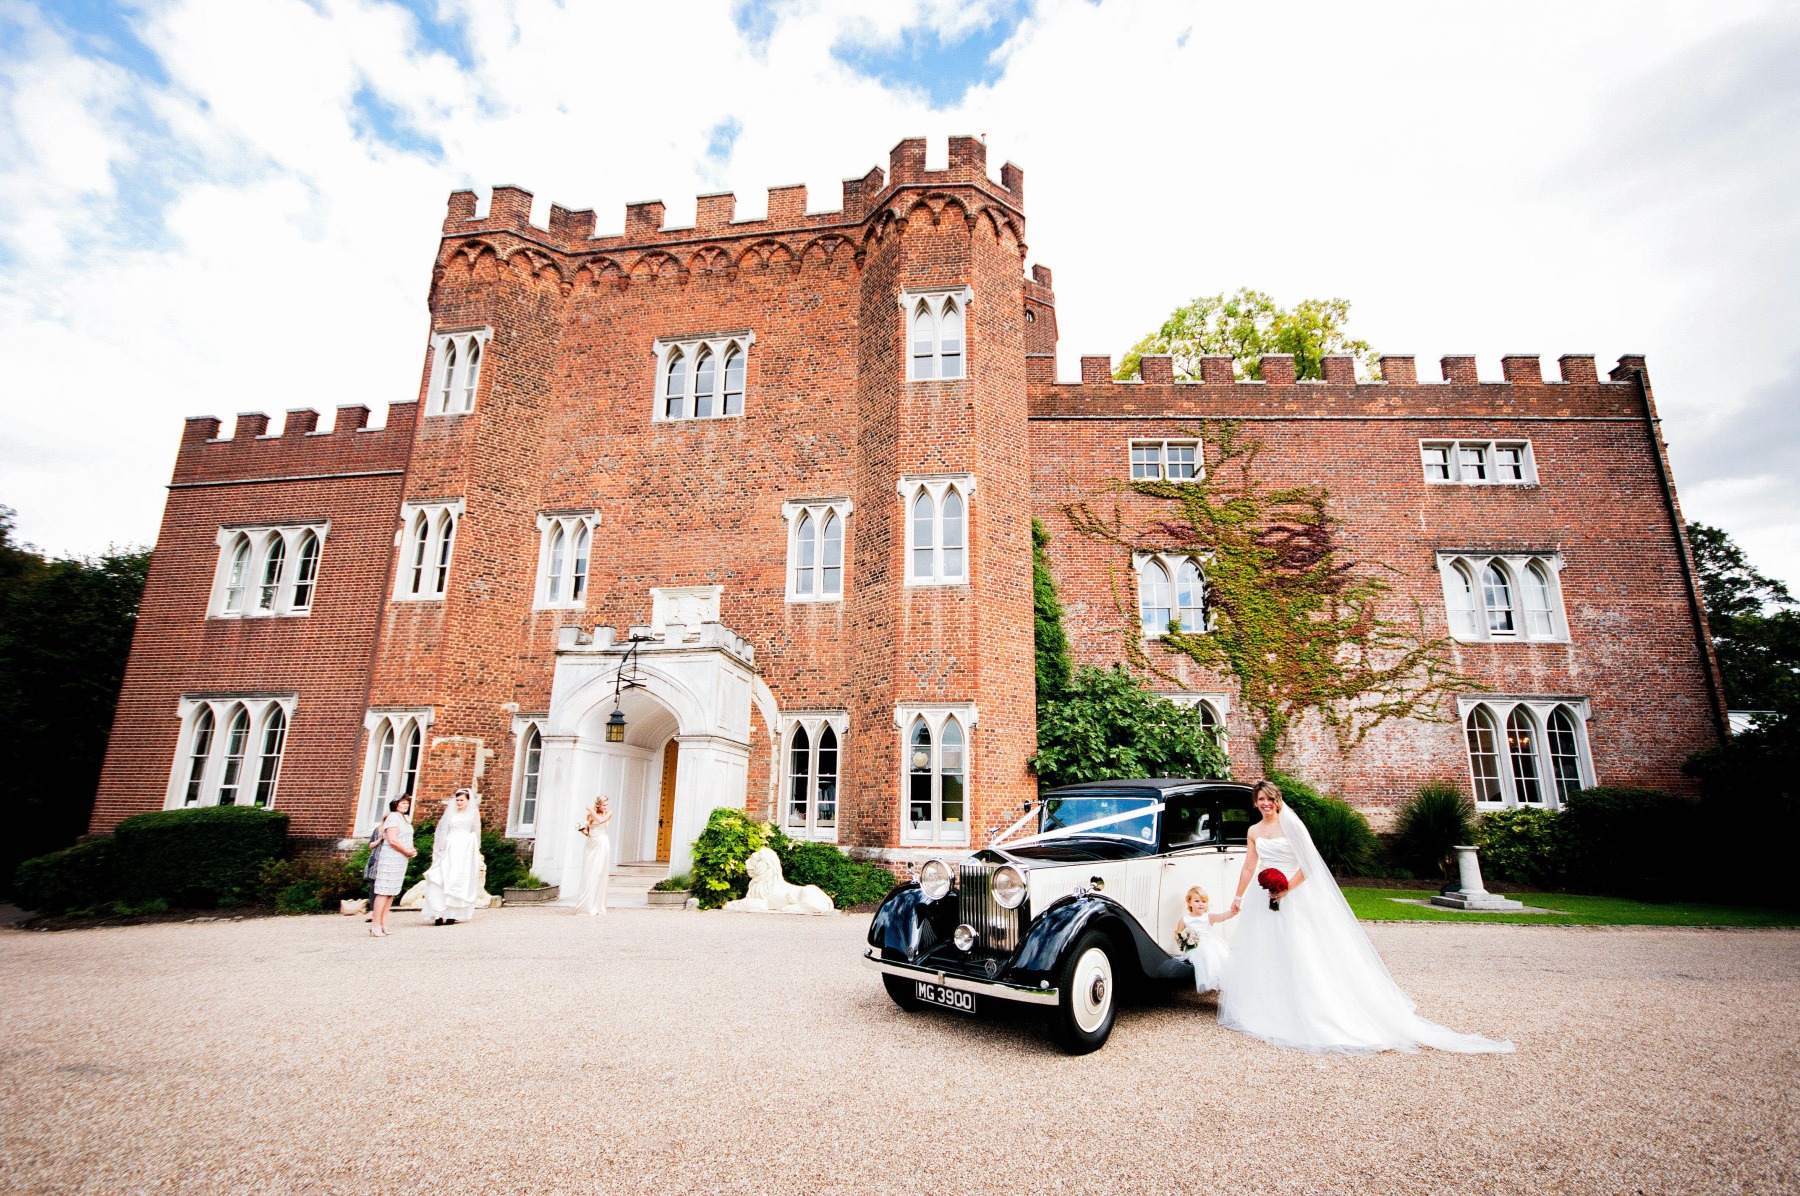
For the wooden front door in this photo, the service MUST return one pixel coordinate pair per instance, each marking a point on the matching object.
(665, 816)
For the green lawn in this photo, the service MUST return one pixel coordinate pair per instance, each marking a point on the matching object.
(1382, 905)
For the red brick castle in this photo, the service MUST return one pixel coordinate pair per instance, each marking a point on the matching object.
(762, 491)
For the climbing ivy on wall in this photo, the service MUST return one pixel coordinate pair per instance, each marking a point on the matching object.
(1299, 626)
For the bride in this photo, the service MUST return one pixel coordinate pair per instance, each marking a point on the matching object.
(591, 897)
(1302, 974)
(453, 883)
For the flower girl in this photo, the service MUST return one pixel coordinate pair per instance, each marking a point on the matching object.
(1204, 946)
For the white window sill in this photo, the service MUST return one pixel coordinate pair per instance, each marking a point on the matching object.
(693, 419)
(922, 841)
(448, 414)
(582, 605)
(814, 600)
(418, 597)
(1509, 639)
(949, 583)
(237, 616)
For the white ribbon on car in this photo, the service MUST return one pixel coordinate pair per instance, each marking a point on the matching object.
(1078, 828)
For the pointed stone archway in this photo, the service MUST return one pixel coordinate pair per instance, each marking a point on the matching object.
(697, 688)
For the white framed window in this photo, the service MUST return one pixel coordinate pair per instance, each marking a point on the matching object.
(1503, 598)
(267, 570)
(528, 775)
(936, 333)
(937, 528)
(1171, 590)
(565, 540)
(1213, 708)
(816, 536)
(934, 771)
(1167, 461)
(396, 750)
(1478, 462)
(1526, 751)
(701, 377)
(230, 749)
(811, 763)
(456, 356)
(427, 540)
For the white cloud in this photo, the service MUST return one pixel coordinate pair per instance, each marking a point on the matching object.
(1604, 178)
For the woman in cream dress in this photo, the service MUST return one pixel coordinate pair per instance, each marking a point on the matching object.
(453, 883)
(590, 897)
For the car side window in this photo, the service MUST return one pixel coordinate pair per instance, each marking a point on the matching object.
(1236, 823)
(1187, 821)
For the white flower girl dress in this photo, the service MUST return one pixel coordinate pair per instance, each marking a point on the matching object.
(1208, 953)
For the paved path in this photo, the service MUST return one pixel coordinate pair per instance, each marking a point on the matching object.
(651, 1051)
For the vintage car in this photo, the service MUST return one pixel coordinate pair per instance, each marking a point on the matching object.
(1066, 916)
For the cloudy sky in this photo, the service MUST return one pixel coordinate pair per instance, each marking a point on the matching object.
(216, 206)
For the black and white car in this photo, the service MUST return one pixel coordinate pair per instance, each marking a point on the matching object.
(1063, 917)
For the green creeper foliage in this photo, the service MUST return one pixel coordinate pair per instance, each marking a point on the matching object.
(1106, 724)
(1298, 626)
(1053, 662)
(1245, 326)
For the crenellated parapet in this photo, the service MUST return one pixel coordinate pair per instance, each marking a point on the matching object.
(1219, 393)
(250, 454)
(787, 234)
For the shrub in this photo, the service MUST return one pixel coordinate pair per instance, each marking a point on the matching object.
(78, 877)
(1526, 845)
(1433, 821)
(675, 884)
(719, 854)
(1754, 777)
(848, 882)
(197, 858)
(1341, 834)
(312, 885)
(1630, 842)
(505, 870)
(1106, 724)
(530, 880)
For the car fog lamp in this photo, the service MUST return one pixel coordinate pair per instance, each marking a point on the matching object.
(1008, 887)
(934, 880)
(964, 938)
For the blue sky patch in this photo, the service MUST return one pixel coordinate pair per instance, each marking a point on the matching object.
(943, 70)
(105, 30)
(446, 36)
(376, 118)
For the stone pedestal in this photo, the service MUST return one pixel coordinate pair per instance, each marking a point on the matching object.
(1473, 894)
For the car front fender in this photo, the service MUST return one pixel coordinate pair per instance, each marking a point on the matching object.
(907, 925)
(1054, 933)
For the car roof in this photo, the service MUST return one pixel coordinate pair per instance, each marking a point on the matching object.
(1160, 785)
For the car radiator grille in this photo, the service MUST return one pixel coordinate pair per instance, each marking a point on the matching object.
(995, 929)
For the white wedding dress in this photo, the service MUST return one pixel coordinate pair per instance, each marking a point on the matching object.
(453, 883)
(1208, 954)
(596, 861)
(1306, 976)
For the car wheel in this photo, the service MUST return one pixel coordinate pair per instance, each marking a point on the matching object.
(901, 990)
(1087, 996)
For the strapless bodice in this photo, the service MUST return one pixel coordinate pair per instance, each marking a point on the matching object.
(1276, 853)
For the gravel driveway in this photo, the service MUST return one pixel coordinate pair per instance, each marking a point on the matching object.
(655, 1051)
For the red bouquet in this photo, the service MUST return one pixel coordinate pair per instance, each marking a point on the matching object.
(1276, 881)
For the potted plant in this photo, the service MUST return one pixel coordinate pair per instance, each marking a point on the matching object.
(529, 891)
(670, 893)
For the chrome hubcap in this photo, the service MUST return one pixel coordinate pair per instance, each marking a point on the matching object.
(1092, 989)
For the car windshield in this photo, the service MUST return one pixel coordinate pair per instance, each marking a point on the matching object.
(1078, 810)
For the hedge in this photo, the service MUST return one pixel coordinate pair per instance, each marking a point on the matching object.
(848, 882)
(75, 878)
(197, 858)
(1338, 830)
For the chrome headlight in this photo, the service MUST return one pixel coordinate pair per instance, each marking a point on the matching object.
(1008, 887)
(934, 880)
(964, 938)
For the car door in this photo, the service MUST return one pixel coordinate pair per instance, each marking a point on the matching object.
(1189, 844)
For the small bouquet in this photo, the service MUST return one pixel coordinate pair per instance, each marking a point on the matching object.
(1187, 938)
(1276, 881)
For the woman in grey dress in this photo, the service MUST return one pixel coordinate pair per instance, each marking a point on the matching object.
(396, 848)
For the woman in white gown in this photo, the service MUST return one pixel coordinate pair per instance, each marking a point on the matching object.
(1305, 975)
(596, 860)
(453, 883)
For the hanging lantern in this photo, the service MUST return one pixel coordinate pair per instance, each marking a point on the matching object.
(615, 726)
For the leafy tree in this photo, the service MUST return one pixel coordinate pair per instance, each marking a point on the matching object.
(1758, 647)
(1106, 724)
(1247, 325)
(1053, 664)
(65, 631)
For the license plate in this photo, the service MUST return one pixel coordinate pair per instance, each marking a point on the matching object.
(949, 998)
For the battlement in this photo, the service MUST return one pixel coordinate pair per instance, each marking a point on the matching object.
(301, 451)
(1219, 393)
(715, 216)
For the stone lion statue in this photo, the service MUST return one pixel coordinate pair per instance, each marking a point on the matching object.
(769, 893)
